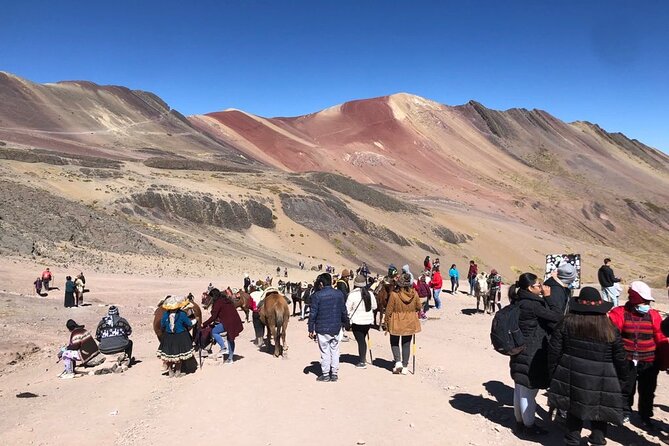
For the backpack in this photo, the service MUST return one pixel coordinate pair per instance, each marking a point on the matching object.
(505, 333)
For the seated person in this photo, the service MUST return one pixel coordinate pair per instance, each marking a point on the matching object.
(112, 334)
(82, 347)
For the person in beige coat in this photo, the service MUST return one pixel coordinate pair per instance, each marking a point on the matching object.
(402, 321)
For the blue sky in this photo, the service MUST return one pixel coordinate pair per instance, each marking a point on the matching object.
(601, 61)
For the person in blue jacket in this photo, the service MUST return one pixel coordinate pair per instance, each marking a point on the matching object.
(455, 278)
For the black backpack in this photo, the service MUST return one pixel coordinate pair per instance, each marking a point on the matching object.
(505, 333)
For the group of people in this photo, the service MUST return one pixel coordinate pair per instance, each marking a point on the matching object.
(590, 354)
(74, 289)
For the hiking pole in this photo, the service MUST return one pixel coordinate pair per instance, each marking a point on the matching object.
(414, 355)
(369, 346)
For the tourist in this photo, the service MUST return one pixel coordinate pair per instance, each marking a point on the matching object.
(471, 276)
(639, 326)
(82, 347)
(436, 282)
(364, 270)
(436, 264)
(327, 316)
(47, 277)
(402, 321)
(79, 290)
(494, 282)
(176, 345)
(247, 283)
(341, 283)
(560, 282)
(423, 290)
(405, 270)
(455, 278)
(38, 286)
(69, 293)
(227, 321)
(529, 368)
(586, 360)
(607, 281)
(427, 264)
(112, 334)
(360, 306)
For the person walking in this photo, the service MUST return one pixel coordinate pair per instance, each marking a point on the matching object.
(360, 306)
(471, 276)
(586, 360)
(176, 345)
(47, 277)
(402, 321)
(427, 264)
(436, 282)
(38, 286)
(639, 326)
(529, 368)
(70, 301)
(327, 316)
(607, 281)
(455, 278)
(112, 334)
(423, 290)
(227, 321)
(79, 290)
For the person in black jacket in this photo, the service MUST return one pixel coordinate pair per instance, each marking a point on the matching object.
(529, 368)
(607, 280)
(586, 359)
(559, 283)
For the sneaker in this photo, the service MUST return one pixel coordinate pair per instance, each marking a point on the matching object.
(405, 371)
(361, 365)
(323, 379)
(229, 361)
(648, 424)
(69, 375)
(334, 378)
(345, 338)
(398, 368)
(596, 441)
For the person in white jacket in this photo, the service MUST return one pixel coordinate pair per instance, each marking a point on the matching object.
(360, 306)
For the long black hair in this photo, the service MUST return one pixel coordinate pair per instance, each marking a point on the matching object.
(524, 282)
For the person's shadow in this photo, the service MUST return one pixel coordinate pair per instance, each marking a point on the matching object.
(469, 311)
(43, 294)
(314, 367)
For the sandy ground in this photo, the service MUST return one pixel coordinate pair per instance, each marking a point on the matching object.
(461, 392)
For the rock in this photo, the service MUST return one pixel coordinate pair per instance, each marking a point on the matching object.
(411, 425)
(360, 442)
(113, 413)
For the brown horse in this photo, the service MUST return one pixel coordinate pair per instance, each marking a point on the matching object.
(240, 299)
(382, 294)
(274, 314)
(192, 310)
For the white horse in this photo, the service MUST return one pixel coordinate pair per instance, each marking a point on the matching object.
(481, 288)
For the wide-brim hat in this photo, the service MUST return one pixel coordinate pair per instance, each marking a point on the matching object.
(174, 302)
(589, 301)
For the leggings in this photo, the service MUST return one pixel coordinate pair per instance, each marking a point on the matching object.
(360, 334)
(395, 347)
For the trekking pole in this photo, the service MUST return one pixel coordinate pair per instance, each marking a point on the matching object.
(414, 354)
(369, 346)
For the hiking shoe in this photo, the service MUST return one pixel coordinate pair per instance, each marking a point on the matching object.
(323, 379)
(229, 361)
(595, 441)
(398, 368)
(405, 371)
(361, 365)
(334, 378)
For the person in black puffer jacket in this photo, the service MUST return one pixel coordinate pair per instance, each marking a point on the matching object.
(559, 282)
(586, 359)
(529, 368)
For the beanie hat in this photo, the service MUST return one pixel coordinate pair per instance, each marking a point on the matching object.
(404, 280)
(566, 272)
(113, 311)
(360, 281)
(639, 292)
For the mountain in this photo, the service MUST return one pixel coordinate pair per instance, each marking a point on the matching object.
(384, 180)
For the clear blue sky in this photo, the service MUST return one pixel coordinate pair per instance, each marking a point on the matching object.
(602, 61)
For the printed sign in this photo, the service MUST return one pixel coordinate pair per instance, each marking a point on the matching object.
(555, 260)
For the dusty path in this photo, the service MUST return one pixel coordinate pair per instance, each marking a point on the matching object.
(460, 395)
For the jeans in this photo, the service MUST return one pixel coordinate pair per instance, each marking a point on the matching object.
(437, 300)
(329, 347)
(472, 285)
(216, 333)
(455, 284)
(395, 347)
(645, 375)
(524, 404)
(610, 294)
(574, 426)
(360, 334)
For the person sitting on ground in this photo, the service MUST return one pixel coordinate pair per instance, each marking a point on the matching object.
(640, 327)
(112, 334)
(559, 282)
(360, 306)
(70, 301)
(586, 360)
(82, 347)
(228, 323)
(402, 321)
(455, 278)
(38, 285)
(176, 345)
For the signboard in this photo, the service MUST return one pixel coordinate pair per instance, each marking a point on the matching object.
(555, 260)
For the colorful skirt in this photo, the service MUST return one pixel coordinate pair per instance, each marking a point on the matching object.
(175, 347)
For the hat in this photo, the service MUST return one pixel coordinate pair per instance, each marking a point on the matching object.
(589, 301)
(246, 275)
(268, 290)
(566, 272)
(639, 292)
(71, 325)
(392, 270)
(174, 303)
(404, 280)
(360, 281)
(113, 311)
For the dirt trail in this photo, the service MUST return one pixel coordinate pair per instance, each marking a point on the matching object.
(460, 395)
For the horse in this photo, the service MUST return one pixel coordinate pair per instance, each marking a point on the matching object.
(274, 314)
(481, 290)
(382, 294)
(193, 311)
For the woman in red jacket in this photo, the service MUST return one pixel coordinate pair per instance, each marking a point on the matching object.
(436, 283)
(228, 323)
